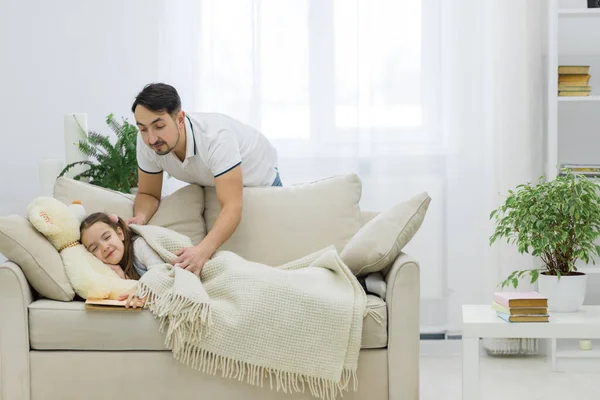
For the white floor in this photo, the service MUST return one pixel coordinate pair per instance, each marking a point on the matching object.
(502, 378)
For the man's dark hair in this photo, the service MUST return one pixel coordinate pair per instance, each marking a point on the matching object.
(158, 97)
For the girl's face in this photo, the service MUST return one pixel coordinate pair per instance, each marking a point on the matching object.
(104, 242)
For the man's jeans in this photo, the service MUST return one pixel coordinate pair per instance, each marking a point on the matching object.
(277, 181)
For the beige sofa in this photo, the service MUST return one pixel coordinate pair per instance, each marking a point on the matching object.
(56, 350)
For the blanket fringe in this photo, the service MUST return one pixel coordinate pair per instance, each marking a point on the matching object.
(181, 319)
(287, 382)
(187, 321)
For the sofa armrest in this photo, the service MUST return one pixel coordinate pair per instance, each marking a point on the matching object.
(15, 297)
(403, 302)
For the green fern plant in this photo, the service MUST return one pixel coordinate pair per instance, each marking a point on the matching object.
(109, 166)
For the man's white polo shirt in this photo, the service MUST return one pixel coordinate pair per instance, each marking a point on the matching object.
(215, 144)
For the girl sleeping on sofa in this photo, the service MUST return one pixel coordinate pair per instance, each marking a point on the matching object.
(109, 239)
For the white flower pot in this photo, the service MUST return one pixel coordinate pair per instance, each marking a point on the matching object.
(565, 294)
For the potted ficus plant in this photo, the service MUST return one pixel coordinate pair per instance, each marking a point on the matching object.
(113, 166)
(557, 221)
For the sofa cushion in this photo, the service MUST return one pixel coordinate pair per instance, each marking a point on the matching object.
(280, 224)
(377, 244)
(375, 324)
(180, 211)
(57, 325)
(21, 243)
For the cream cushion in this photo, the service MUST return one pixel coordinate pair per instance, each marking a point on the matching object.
(81, 329)
(94, 198)
(377, 244)
(21, 243)
(280, 224)
(180, 211)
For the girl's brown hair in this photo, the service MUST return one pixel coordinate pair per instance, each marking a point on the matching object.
(128, 238)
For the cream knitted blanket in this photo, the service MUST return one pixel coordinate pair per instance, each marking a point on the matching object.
(294, 326)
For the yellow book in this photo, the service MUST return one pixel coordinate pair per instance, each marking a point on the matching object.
(572, 88)
(111, 305)
(582, 79)
(572, 84)
(573, 69)
(519, 310)
(573, 94)
(523, 318)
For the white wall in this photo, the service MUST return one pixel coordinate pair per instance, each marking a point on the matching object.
(65, 56)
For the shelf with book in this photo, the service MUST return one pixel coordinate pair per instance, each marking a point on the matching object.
(579, 12)
(573, 40)
(577, 98)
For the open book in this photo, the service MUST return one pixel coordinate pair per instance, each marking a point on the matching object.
(106, 304)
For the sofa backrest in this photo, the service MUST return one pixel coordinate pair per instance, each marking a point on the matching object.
(180, 211)
(366, 216)
(280, 224)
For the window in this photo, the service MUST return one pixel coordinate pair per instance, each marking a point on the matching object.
(332, 70)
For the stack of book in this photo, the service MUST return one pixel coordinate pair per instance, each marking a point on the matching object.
(573, 80)
(521, 306)
(587, 170)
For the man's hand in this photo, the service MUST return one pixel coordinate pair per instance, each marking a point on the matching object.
(229, 187)
(138, 220)
(192, 258)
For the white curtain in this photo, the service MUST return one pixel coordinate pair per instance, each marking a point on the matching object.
(494, 81)
(412, 95)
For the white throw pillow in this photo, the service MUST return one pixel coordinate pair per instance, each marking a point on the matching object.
(377, 244)
(22, 244)
(280, 224)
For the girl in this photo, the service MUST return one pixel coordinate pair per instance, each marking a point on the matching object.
(109, 239)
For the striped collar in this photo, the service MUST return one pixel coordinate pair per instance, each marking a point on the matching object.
(190, 145)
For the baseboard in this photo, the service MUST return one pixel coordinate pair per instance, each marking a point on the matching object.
(440, 344)
(440, 336)
(433, 336)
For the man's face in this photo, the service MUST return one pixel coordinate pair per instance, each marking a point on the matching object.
(159, 130)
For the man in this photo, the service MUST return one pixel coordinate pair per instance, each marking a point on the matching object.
(202, 148)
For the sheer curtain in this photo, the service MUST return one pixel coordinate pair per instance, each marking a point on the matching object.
(493, 92)
(402, 92)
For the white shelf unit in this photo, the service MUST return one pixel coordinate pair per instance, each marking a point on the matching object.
(573, 38)
(578, 98)
(569, 357)
(572, 130)
(579, 12)
(569, 348)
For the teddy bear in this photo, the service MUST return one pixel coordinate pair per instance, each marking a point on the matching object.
(59, 223)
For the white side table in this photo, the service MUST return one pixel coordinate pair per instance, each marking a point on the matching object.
(481, 321)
